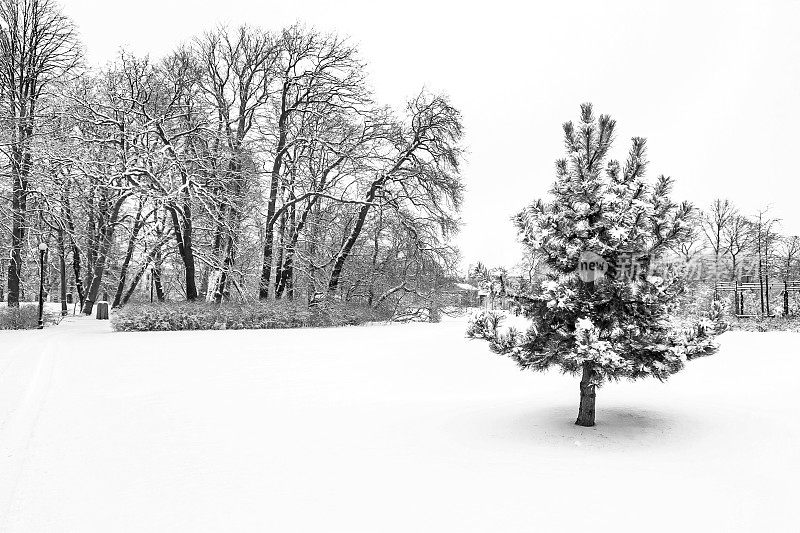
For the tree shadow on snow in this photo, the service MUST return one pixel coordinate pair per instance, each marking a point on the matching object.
(625, 427)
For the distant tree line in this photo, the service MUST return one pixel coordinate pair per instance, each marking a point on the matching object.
(719, 244)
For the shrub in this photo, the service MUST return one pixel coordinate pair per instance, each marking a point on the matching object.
(762, 324)
(179, 316)
(22, 317)
(484, 325)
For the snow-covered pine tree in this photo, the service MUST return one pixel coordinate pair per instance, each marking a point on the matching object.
(617, 326)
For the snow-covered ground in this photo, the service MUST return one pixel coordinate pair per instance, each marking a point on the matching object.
(382, 428)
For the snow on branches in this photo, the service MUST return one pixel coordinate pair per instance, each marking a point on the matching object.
(619, 325)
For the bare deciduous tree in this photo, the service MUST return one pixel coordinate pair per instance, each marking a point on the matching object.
(38, 47)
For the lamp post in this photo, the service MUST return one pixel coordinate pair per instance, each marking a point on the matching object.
(42, 251)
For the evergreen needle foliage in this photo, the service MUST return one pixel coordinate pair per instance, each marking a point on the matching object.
(618, 326)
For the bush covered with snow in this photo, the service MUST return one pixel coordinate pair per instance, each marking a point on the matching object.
(22, 317)
(179, 316)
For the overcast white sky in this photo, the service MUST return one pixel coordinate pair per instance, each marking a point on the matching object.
(714, 86)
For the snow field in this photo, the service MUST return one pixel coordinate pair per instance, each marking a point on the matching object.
(404, 427)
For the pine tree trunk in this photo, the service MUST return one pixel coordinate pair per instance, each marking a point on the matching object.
(588, 393)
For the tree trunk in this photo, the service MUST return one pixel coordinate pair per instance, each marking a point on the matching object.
(588, 393)
(18, 211)
(156, 273)
(209, 282)
(372, 193)
(311, 287)
(786, 298)
(92, 238)
(94, 286)
(106, 235)
(135, 281)
(142, 269)
(76, 253)
(21, 162)
(188, 261)
(182, 223)
(221, 291)
(15, 265)
(375, 249)
(62, 271)
(286, 281)
(76, 268)
(266, 267)
(123, 271)
(296, 227)
(760, 270)
(279, 258)
(344, 253)
(97, 276)
(275, 175)
(283, 277)
(766, 271)
(204, 282)
(234, 216)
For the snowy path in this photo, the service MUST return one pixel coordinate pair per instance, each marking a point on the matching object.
(382, 428)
